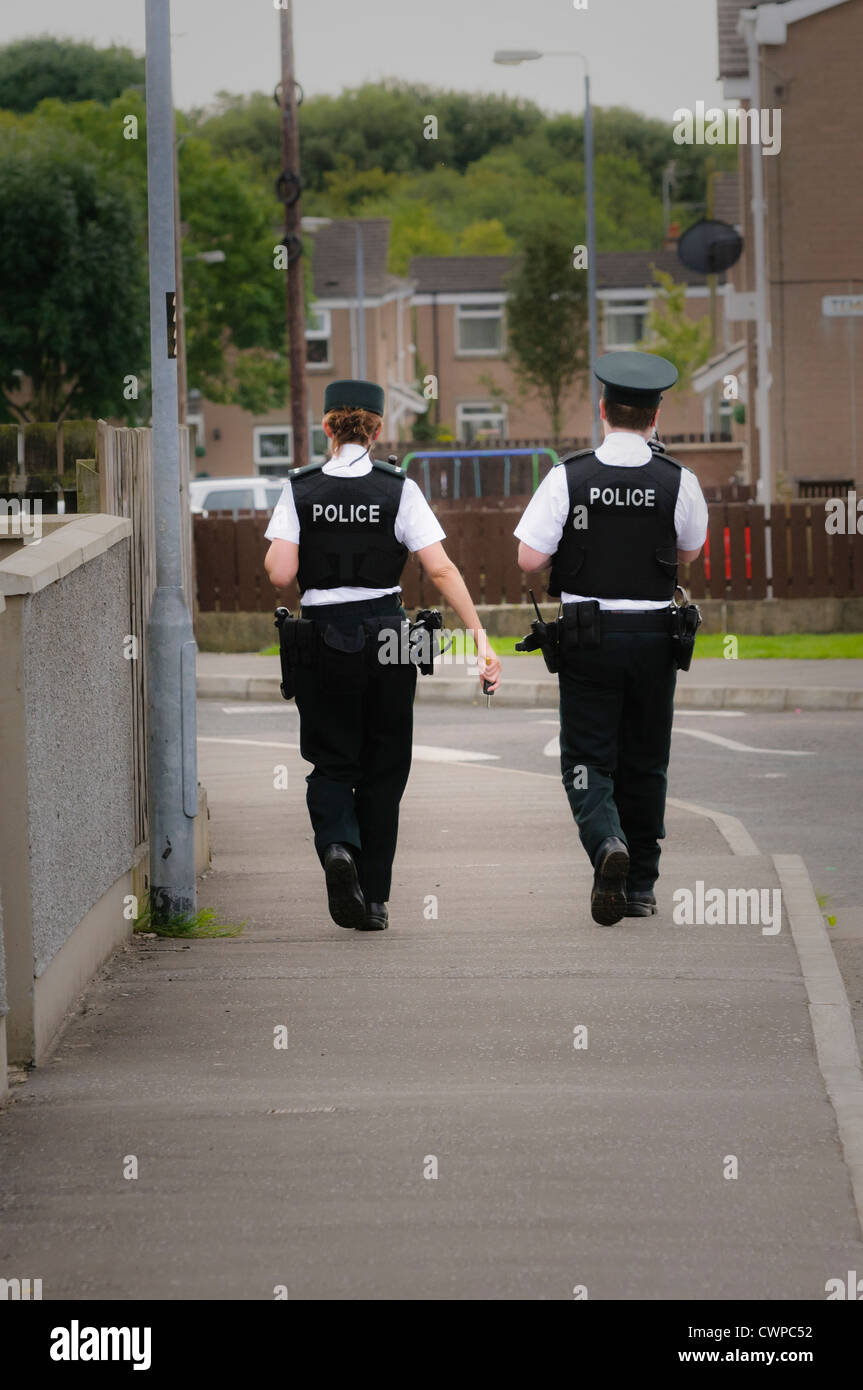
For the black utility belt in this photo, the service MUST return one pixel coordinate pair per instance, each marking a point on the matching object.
(632, 620)
(581, 626)
(341, 651)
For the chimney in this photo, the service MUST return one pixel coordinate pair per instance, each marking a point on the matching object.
(672, 236)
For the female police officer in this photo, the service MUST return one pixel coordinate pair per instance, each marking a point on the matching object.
(344, 529)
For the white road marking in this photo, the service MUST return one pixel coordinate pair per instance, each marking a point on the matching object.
(271, 708)
(422, 753)
(426, 753)
(744, 747)
(552, 748)
(712, 713)
(698, 713)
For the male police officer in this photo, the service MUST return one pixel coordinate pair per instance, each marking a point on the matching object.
(615, 522)
(344, 529)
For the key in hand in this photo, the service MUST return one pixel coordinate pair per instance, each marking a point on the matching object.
(487, 692)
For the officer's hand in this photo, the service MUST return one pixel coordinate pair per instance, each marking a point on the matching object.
(490, 670)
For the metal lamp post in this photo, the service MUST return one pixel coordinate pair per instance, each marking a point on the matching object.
(510, 58)
(170, 639)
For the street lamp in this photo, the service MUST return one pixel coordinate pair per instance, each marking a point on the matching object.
(510, 58)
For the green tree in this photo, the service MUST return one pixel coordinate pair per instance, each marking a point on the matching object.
(32, 69)
(672, 333)
(234, 307)
(546, 318)
(73, 278)
(485, 237)
(416, 231)
(349, 190)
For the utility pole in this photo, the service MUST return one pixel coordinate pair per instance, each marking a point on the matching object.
(593, 329)
(289, 186)
(182, 386)
(361, 300)
(170, 639)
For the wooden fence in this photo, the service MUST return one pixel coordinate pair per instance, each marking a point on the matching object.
(807, 563)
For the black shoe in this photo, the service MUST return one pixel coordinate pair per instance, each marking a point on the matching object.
(608, 896)
(346, 901)
(639, 904)
(377, 918)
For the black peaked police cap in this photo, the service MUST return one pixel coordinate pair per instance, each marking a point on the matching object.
(635, 378)
(357, 395)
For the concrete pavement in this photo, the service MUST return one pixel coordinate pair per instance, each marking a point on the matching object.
(445, 1045)
(709, 684)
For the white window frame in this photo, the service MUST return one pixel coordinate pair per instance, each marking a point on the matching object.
(617, 308)
(322, 334)
(282, 460)
(490, 408)
(493, 310)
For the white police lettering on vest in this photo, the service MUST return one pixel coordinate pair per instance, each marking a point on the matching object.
(624, 496)
(351, 513)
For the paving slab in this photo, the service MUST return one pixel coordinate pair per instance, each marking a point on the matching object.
(447, 1045)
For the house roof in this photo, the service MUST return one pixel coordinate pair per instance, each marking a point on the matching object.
(334, 258)
(732, 49)
(474, 274)
(450, 274)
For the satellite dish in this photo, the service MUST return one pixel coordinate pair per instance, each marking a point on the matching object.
(710, 247)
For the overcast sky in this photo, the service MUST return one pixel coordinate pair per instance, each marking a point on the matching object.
(652, 55)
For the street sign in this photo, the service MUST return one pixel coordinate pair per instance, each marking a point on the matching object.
(842, 306)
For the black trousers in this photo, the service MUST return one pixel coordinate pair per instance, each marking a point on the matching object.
(356, 727)
(616, 709)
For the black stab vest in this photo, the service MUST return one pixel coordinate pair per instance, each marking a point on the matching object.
(347, 528)
(627, 547)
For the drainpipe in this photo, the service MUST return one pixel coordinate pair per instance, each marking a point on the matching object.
(748, 21)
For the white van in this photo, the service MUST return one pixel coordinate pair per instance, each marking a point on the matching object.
(212, 496)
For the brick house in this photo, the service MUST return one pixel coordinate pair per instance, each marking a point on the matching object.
(808, 68)
(237, 442)
(447, 319)
(459, 306)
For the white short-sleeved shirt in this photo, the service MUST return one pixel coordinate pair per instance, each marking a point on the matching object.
(416, 525)
(541, 526)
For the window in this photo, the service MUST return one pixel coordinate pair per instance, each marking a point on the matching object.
(477, 422)
(274, 448)
(238, 499)
(479, 330)
(625, 322)
(318, 336)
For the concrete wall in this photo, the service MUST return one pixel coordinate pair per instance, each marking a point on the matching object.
(67, 845)
(79, 744)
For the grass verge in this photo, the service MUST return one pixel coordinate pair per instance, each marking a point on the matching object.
(796, 646)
